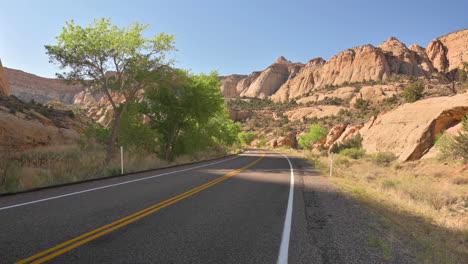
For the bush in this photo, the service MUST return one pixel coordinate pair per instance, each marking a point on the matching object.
(71, 114)
(342, 162)
(247, 137)
(413, 92)
(454, 147)
(352, 142)
(353, 153)
(316, 134)
(361, 104)
(383, 158)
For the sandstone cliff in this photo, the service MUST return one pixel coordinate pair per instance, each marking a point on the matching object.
(284, 80)
(28, 86)
(450, 51)
(268, 82)
(4, 86)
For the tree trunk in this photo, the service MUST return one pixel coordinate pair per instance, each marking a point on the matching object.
(114, 134)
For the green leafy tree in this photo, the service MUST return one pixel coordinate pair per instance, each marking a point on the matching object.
(111, 61)
(413, 92)
(316, 134)
(182, 107)
(247, 137)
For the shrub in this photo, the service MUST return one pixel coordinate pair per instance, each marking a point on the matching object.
(246, 137)
(361, 104)
(454, 147)
(71, 114)
(342, 162)
(316, 134)
(353, 153)
(413, 92)
(352, 142)
(383, 158)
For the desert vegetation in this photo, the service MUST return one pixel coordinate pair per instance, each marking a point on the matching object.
(161, 115)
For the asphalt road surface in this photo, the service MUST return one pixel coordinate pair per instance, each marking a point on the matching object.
(250, 208)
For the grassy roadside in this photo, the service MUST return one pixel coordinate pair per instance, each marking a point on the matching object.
(425, 202)
(53, 165)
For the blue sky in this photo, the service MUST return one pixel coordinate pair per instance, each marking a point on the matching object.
(232, 36)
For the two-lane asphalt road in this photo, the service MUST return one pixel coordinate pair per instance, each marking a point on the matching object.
(239, 209)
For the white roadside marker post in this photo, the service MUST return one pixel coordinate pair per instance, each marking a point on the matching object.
(331, 164)
(121, 160)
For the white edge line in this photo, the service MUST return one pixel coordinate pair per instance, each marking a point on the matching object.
(284, 248)
(113, 185)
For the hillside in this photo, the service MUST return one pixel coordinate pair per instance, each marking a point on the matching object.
(29, 87)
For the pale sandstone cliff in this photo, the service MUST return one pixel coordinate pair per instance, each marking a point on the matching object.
(284, 80)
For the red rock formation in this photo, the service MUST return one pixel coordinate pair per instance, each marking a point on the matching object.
(28, 86)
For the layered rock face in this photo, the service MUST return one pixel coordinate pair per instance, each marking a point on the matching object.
(28, 87)
(450, 51)
(270, 80)
(4, 86)
(229, 86)
(284, 80)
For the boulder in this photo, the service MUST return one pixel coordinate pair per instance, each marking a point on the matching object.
(288, 140)
(334, 133)
(410, 130)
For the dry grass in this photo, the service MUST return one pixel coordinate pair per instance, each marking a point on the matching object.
(53, 165)
(425, 201)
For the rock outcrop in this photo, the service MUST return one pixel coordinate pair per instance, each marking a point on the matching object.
(284, 80)
(4, 86)
(313, 111)
(229, 86)
(450, 51)
(409, 131)
(269, 80)
(29, 87)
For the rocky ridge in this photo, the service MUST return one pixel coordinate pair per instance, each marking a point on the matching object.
(29, 87)
(284, 80)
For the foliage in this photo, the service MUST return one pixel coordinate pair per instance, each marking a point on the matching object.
(454, 147)
(247, 137)
(111, 60)
(413, 92)
(134, 133)
(188, 112)
(315, 134)
(361, 104)
(353, 153)
(463, 73)
(383, 158)
(98, 133)
(354, 142)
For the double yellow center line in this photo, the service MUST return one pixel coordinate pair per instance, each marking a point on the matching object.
(82, 239)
